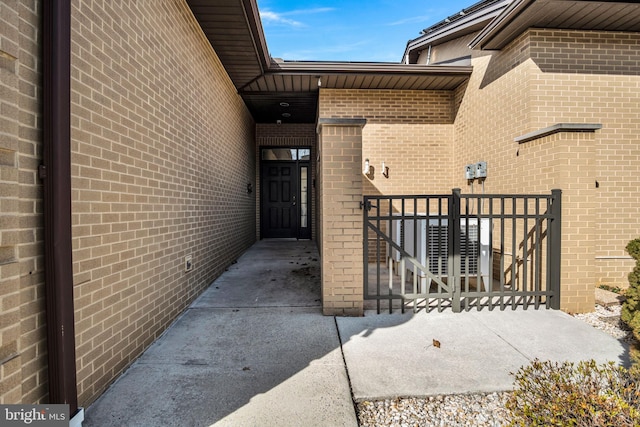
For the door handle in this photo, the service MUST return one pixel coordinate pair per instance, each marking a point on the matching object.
(294, 201)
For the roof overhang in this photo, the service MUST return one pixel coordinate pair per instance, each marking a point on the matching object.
(234, 29)
(273, 88)
(561, 14)
(467, 21)
(298, 84)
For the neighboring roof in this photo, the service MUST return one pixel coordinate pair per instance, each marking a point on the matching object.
(500, 21)
(234, 30)
(469, 20)
(565, 14)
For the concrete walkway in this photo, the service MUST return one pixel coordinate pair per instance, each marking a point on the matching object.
(255, 350)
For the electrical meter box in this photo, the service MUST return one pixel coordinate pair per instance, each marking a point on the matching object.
(470, 171)
(481, 170)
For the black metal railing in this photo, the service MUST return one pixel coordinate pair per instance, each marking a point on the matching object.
(462, 251)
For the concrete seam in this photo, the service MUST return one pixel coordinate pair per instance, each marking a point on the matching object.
(346, 369)
(505, 340)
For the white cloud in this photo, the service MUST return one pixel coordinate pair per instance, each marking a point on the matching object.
(269, 17)
(412, 20)
(310, 11)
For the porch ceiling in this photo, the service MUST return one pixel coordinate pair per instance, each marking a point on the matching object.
(520, 15)
(234, 30)
(298, 84)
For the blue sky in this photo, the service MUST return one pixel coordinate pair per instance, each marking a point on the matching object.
(349, 30)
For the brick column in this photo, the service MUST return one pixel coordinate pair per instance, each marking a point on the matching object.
(340, 193)
(563, 156)
(574, 173)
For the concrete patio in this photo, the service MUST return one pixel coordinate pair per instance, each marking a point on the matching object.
(255, 350)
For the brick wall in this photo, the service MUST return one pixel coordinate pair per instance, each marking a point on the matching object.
(567, 159)
(592, 77)
(163, 150)
(287, 135)
(23, 375)
(388, 106)
(340, 220)
(496, 108)
(533, 84)
(586, 52)
(411, 131)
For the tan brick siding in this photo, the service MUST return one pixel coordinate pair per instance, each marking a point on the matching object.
(388, 106)
(586, 52)
(592, 77)
(510, 95)
(163, 150)
(542, 78)
(417, 156)
(411, 131)
(568, 160)
(341, 220)
(22, 333)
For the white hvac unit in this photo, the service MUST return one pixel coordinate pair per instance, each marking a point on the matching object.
(430, 245)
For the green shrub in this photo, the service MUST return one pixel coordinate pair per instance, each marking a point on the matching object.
(631, 307)
(586, 394)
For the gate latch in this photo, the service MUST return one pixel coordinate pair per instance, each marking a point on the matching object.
(367, 204)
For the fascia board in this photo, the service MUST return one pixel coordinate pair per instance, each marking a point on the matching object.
(506, 17)
(323, 68)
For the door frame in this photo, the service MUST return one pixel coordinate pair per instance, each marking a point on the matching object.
(300, 232)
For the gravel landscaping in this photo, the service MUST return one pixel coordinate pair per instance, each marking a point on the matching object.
(469, 409)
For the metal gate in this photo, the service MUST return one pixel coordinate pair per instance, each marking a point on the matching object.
(433, 252)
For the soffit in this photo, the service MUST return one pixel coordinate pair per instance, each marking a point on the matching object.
(235, 32)
(296, 83)
(560, 14)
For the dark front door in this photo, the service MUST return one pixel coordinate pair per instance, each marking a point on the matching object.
(279, 204)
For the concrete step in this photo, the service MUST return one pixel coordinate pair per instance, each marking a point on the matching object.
(607, 298)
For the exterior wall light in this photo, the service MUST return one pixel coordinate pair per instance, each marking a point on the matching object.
(385, 170)
(367, 167)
